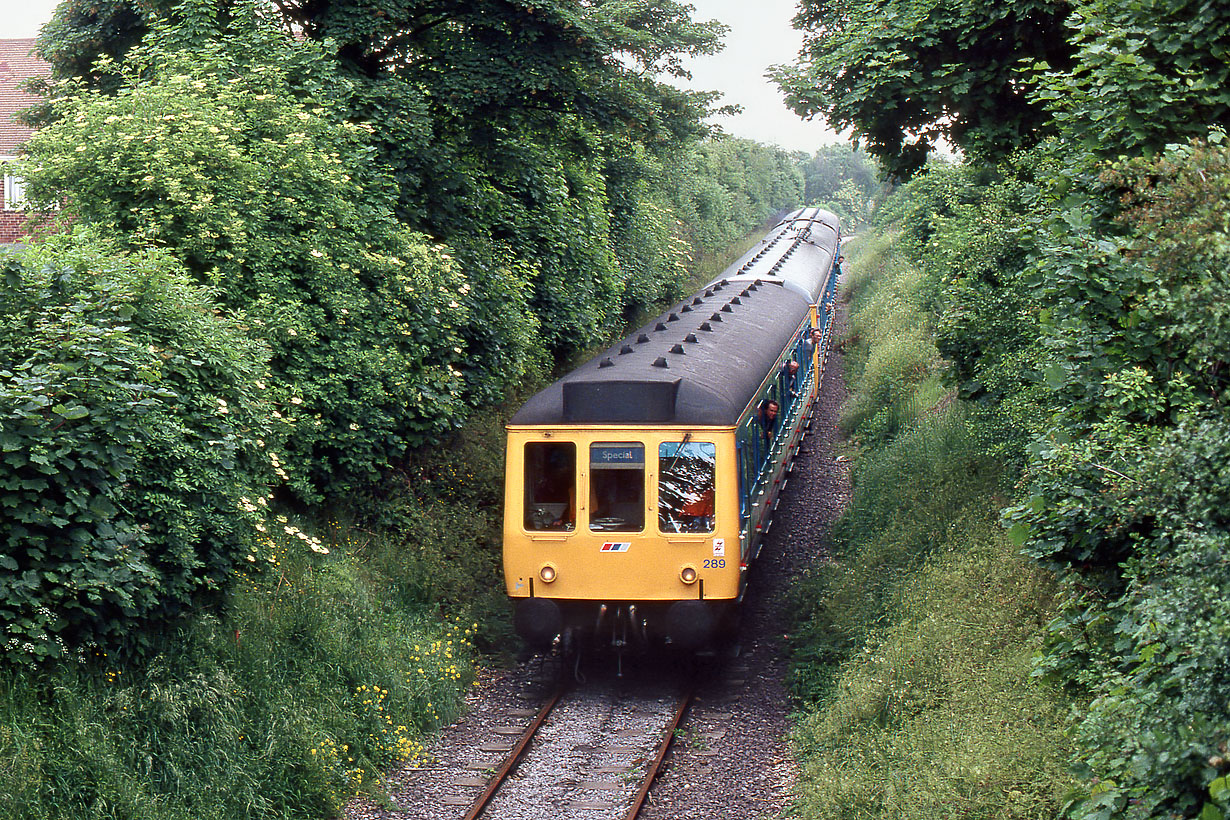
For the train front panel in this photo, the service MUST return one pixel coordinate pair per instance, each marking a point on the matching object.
(600, 520)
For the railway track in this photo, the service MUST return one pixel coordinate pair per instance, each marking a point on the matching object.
(590, 752)
(607, 774)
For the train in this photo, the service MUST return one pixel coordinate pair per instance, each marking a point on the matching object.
(640, 486)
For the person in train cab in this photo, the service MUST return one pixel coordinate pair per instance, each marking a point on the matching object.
(841, 265)
(698, 513)
(568, 518)
(767, 419)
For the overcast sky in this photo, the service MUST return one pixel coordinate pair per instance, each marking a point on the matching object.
(23, 18)
(760, 36)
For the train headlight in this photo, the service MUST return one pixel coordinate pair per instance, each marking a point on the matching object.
(688, 575)
(547, 573)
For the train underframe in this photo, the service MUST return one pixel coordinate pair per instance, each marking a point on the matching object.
(568, 626)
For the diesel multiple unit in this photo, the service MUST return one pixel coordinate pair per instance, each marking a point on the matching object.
(639, 486)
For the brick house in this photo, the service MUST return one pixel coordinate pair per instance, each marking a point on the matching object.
(16, 66)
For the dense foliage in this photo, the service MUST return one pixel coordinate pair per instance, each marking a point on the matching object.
(843, 180)
(1082, 288)
(967, 230)
(311, 684)
(905, 74)
(1130, 487)
(508, 130)
(131, 420)
(724, 188)
(267, 199)
(1143, 75)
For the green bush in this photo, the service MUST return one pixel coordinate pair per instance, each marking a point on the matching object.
(266, 196)
(133, 418)
(309, 684)
(653, 255)
(971, 232)
(1148, 639)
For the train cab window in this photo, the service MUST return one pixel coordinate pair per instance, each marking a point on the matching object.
(550, 486)
(617, 486)
(685, 486)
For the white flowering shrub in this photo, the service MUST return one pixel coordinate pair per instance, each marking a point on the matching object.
(216, 154)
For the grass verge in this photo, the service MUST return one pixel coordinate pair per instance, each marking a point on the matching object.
(912, 655)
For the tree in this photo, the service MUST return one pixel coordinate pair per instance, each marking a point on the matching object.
(1143, 75)
(495, 119)
(206, 150)
(81, 32)
(904, 74)
(842, 179)
(508, 117)
(725, 187)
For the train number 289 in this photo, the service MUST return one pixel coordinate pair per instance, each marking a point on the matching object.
(715, 563)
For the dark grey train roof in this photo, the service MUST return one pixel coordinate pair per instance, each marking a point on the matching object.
(798, 251)
(698, 364)
(701, 362)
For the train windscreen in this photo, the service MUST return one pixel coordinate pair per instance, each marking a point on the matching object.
(550, 486)
(685, 486)
(617, 486)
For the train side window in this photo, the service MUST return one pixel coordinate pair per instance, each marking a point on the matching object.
(750, 436)
(617, 486)
(685, 486)
(550, 485)
(742, 479)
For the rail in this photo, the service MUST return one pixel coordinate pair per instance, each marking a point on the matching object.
(651, 772)
(514, 757)
(481, 803)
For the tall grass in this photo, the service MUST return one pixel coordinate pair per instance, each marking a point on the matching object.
(934, 715)
(895, 364)
(912, 655)
(329, 663)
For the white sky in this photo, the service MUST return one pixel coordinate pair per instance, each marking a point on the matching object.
(760, 36)
(23, 18)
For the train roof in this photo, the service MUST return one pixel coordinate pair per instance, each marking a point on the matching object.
(700, 363)
(704, 360)
(798, 251)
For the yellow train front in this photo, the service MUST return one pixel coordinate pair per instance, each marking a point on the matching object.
(639, 486)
